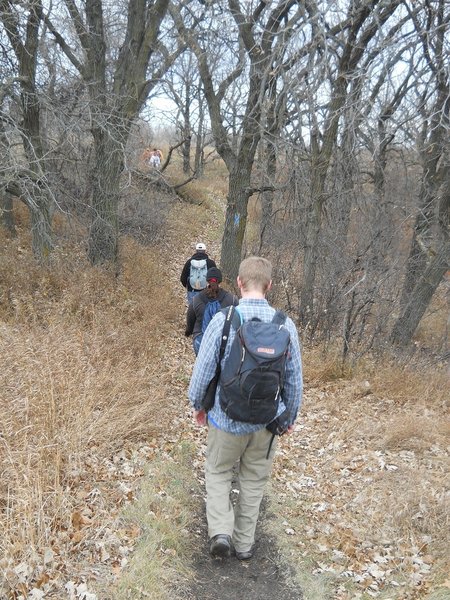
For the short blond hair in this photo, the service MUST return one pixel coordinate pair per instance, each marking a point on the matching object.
(255, 272)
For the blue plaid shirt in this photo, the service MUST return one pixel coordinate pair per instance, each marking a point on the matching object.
(205, 367)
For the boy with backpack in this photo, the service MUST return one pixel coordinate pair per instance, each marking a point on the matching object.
(258, 396)
(193, 275)
(205, 305)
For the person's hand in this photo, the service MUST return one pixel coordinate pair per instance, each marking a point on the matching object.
(200, 417)
(290, 429)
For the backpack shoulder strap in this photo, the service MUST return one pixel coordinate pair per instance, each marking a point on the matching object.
(229, 315)
(279, 318)
(237, 318)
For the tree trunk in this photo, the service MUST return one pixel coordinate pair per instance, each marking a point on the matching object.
(420, 297)
(431, 276)
(417, 258)
(379, 223)
(274, 123)
(117, 91)
(269, 174)
(235, 220)
(6, 213)
(36, 196)
(319, 169)
(348, 175)
(186, 148)
(103, 245)
(42, 239)
(200, 140)
(239, 153)
(363, 29)
(435, 171)
(186, 151)
(268, 195)
(240, 171)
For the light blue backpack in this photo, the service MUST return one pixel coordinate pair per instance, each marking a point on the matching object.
(197, 274)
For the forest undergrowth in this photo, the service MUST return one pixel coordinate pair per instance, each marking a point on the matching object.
(101, 465)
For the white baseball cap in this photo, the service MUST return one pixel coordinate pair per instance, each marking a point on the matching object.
(200, 246)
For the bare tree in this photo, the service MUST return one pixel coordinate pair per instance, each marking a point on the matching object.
(358, 244)
(432, 25)
(429, 256)
(30, 181)
(183, 85)
(263, 32)
(275, 120)
(437, 265)
(362, 24)
(118, 84)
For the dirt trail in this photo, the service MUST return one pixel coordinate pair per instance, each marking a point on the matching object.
(266, 574)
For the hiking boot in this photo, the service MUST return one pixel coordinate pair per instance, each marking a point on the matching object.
(220, 546)
(247, 555)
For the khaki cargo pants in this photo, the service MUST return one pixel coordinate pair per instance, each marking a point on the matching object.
(224, 449)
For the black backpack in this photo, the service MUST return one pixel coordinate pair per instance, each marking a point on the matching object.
(253, 374)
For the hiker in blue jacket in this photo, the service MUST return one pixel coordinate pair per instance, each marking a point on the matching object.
(193, 275)
(205, 305)
(230, 441)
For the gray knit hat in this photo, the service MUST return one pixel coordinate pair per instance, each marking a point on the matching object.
(214, 273)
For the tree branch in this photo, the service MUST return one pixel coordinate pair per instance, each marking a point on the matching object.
(64, 46)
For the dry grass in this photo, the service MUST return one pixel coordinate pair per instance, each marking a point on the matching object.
(195, 192)
(213, 184)
(163, 512)
(410, 384)
(79, 376)
(325, 365)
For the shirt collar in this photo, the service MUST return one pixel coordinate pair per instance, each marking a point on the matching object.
(253, 302)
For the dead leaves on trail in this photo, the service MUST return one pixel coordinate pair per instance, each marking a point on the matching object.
(362, 488)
